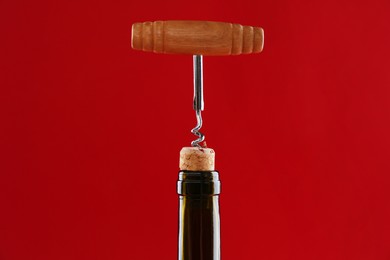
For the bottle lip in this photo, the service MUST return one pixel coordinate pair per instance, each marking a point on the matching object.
(198, 175)
(198, 183)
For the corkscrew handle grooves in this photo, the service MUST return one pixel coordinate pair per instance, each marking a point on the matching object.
(197, 37)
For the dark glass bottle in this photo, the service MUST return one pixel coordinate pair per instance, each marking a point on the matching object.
(199, 224)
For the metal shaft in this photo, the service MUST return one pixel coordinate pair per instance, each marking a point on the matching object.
(198, 83)
(198, 99)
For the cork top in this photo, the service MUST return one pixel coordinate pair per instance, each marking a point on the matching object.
(197, 159)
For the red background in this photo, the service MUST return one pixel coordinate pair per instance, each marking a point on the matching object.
(90, 130)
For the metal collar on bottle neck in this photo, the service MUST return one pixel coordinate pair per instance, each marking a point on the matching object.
(198, 183)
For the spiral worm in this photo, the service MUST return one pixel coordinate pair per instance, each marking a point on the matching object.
(195, 130)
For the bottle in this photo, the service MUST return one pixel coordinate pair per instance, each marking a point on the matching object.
(199, 220)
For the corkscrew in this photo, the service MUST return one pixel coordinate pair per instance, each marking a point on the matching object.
(197, 38)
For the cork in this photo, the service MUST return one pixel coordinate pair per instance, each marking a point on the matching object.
(197, 159)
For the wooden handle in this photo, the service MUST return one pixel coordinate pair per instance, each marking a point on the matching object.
(197, 37)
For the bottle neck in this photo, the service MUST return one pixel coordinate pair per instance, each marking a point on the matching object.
(199, 222)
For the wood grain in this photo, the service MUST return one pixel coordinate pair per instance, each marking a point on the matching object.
(197, 37)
